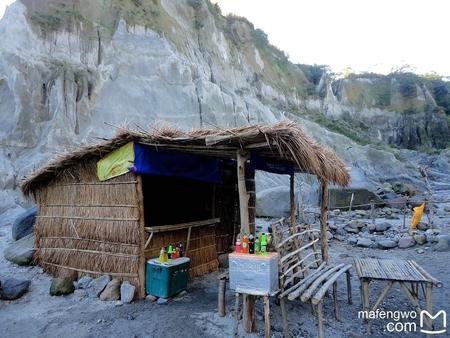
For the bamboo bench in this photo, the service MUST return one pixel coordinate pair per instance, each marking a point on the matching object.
(303, 274)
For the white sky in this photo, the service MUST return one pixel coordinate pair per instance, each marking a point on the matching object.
(366, 35)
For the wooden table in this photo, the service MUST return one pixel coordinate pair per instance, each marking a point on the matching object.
(396, 271)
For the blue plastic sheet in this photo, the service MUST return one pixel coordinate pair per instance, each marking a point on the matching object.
(258, 162)
(149, 161)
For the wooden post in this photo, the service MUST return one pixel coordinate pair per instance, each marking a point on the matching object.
(320, 319)
(285, 317)
(266, 317)
(302, 201)
(141, 225)
(335, 300)
(323, 222)
(221, 296)
(349, 288)
(351, 201)
(292, 199)
(249, 313)
(242, 189)
(372, 211)
(429, 301)
(237, 314)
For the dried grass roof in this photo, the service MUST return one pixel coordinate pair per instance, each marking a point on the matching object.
(285, 140)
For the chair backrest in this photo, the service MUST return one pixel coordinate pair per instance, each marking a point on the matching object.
(299, 250)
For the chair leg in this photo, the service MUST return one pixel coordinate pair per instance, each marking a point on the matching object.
(320, 319)
(349, 288)
(285, 318)
(336, 304)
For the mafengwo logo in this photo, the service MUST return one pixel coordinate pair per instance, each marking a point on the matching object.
(438, 329)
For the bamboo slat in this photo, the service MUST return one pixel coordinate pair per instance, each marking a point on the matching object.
(93, 272)
(179, 226)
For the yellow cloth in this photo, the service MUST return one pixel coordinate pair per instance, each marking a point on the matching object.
(418, 213)
(116, 163)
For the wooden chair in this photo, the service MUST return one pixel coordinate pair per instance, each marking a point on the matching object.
(303, 274)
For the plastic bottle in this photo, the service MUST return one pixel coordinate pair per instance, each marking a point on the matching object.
(177, 253)
(245, 244)
(238, 247)
(162, 255)
(251, 244)
(170, 251)
(180, 245)
(263, 244)
(257, 246)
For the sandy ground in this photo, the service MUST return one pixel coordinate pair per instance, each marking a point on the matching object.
(37, 314)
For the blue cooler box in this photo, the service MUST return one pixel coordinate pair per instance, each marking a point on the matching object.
(167, 279)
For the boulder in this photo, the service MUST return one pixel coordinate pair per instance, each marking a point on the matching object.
(404, 189)
(406, 242)
(351, 230)
(352, 240)
(61, 286)
(423, 226)
(371, 227)
(340, 231)
(329, 235)
(387, 243)
(112, 291)
(22, 251)
(83, 282)
(420, 239)
(364, 242)
(12, 288)
(443, 243)
(273, 202)
(127, 292)
(381, 227)
(340, 198)
(97, 285)
(23, 225)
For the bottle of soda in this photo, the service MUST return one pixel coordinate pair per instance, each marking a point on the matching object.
(180, 245)
(251, 244)
(162, 255)
(170, 251)
(263, 244)
(245, 244)
(257, 246)
(238, 247)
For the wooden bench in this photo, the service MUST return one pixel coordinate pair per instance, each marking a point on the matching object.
(303, 274)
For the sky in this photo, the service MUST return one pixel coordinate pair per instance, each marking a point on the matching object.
(364, 35)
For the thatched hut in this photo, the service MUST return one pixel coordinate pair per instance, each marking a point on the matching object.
(194, 187)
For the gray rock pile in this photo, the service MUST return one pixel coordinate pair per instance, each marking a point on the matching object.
(11, 288)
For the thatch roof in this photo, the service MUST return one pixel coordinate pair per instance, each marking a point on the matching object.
(285, 140)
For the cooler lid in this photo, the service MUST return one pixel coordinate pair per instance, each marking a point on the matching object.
(172, 262)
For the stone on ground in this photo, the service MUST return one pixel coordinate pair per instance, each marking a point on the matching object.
(112, 291)
(83, 282)
(23, 225)
(381, 227)
(151, 298)
(162, 301)
(22, 251)
(443, 243)
(61, 286)
(12, 288)
(127, 292)
(97, 285)
(364, 242)
(406, 242)
(387, 243)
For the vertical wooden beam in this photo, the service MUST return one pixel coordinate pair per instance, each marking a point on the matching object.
(292, 199)
(249, 313)
(141, 225)
(323, 222)
(266, 317)
(242, 190)
(221, 296)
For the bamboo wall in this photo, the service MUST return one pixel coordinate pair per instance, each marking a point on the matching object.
(89, 227)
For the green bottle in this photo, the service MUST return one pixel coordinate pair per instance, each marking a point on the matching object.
(263, 244)
(257, 246)
(170, 251)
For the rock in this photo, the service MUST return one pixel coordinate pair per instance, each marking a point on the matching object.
(352, 240)
(112, 291)
(339, 238)
(336, 212)
(351, 230)
(381, 227)
(404, 189)
(329, 235)
(423, 226)
(356, 224)
(420, 251)
(443, 243)
(23, 225)
(12, 288)
(273, 202)
(127, 292)
(420, 239)
(340, 231)
(61, 286)
(371, 227)
(364, 242)
(83, 282)
(97, 285)
(387, 243)
(362, 212)
(447, 208)
(223, 260)
(151, 298)
(22, 251)
(340, 198)
(162, 301)
(118, 303)
(80, 293)
(406, 242)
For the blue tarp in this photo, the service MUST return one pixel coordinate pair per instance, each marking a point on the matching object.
(170, 163)
(264, 163)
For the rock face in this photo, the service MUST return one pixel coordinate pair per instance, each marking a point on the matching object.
(61, 286)
(112, 291)
(273, 202)
(12, 288)
(22, 251)
(23, 225)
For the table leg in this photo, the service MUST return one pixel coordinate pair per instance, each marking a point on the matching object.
(429, 301)
(285, 318)
(320, 319)
(249, 313)
(336, 304)
(366, 304)
(237, 314)
(266, 317)
(349, 288)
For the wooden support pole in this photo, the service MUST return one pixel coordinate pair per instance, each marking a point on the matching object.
(292, 200)
(266, 317)
(351, 201)
(141, 226)
(249, 313)
(429, 301)
(320, 319)
(188, 240)
(349, 288)
(323, 222)
(372, 211)
(242, 190)
(221, 296)
(236, 314)
(336, 304)
(285, 317)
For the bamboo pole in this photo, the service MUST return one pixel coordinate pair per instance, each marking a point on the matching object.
(141, 224)
(323, 222)
(292, 199)
(242, 189)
